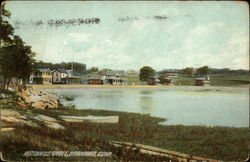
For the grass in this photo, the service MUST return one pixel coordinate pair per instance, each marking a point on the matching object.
(216, 80)
(222, 143)
(184, 81)
(230, 80)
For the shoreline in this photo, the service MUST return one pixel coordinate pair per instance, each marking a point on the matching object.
(64, 86)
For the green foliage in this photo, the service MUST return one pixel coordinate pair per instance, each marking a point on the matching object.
(6, 30)
(16, 59)
(93, 69)
(202, 70)
(188, 71)
(164, 80)
(146, 72)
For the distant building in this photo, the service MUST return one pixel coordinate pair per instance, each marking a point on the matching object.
(132, 77)
(113, 77)
(41, 76)
(58, 76)
(202, 81)
(95, 80)
(62, 76)
(169, 73)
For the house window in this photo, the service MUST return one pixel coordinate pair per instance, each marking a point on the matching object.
(56, 74)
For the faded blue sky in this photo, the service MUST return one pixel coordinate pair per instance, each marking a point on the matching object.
(189, 34)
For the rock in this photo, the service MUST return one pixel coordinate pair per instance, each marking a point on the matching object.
(37, 99)
(7, 129)
(41, 117)
(54, 125)
(22, 104)
(2, 96)
(49, 121)
(13, 116)
(5, 112)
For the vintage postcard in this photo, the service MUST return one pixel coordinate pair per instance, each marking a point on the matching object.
(124, 81)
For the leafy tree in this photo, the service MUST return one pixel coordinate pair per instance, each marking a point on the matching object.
(6, 30)
(146, 72)
(188, 71)
(93, 69)
(16, 59)
(163, 80)
(202, 70)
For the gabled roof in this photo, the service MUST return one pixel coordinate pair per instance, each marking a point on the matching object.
(59, 70)
(44, 70)
(62, 70)
(69, 71)
(95, 77)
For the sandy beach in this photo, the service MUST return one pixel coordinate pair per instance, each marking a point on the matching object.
(58, 86)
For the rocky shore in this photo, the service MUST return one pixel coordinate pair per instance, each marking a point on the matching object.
(36, 98)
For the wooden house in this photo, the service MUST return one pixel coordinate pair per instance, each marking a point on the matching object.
(115, 77)
(95, 80)
(41, 76)
(169, 73)
(202, 81)
(62, 76)
(58, 76)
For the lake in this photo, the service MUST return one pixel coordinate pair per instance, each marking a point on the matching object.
(185, 105)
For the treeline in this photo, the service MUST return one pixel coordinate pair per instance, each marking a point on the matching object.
(79, 68)
(205, 70)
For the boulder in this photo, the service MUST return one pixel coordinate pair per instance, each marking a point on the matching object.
(15, 117)
(37, 99)
(49, 121)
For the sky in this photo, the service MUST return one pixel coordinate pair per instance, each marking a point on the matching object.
(129, 35)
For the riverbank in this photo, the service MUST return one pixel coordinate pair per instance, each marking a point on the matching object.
(27, 133)
(59, 86)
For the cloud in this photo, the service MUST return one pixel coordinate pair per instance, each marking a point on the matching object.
(79, 37)
(203, 37)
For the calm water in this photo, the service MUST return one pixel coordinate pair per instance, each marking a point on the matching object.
(196, 106)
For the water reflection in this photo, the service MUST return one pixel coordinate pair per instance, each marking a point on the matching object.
(178, 106)
(147, 104)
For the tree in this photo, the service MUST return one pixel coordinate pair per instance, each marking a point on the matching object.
(188, 71)
(16, 59)
(202, 70)
(6, 30)
(146, 72)
(93, 69)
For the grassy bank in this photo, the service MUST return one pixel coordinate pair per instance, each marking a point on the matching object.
(223, 143)
(217, 80)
